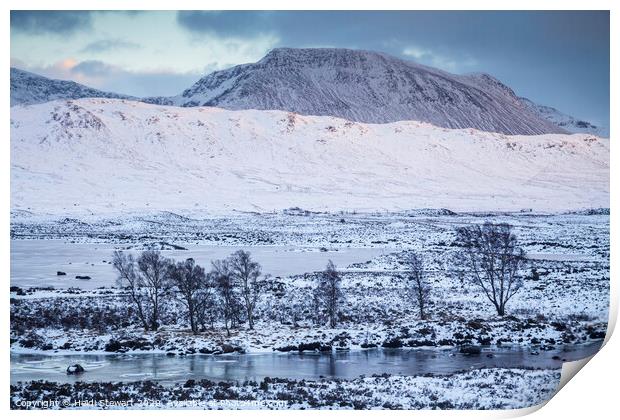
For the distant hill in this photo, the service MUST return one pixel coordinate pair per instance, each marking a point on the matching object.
(30, 88)
(109, 155)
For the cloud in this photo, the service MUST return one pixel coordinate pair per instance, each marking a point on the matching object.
(103, 45)
(232, 24)
(39, 22)
(58, 22)
(92, 68)
(103, 76)
(431, 58)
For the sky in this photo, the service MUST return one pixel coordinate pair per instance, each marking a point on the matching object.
(556, 58)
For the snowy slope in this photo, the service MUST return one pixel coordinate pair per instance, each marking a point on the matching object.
(567, 122)
(364, 86)
(106, 155)
(29, 88)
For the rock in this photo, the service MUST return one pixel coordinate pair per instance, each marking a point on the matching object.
(392, 343)
(18, 291)
(314, 346)
(470, 350)
(476, 324)
(368, 345)
(61, 273)
(598, 335)
(75, 369)
(113, 346)
(421, 343)
(228, 348)
(287, 348)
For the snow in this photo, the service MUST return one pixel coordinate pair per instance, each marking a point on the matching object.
(108, 156)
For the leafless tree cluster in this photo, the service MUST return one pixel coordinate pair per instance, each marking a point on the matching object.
(228, 292)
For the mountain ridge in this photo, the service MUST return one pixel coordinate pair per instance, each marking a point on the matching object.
(358, 85)
(565, 121)
(29, 88)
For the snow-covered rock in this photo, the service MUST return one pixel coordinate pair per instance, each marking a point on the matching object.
(75, 369)
(29, 88)
(107, 155)
(567, 122)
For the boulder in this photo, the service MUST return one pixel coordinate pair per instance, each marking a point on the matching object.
(470, 350)
(75, 369)
(229, 348)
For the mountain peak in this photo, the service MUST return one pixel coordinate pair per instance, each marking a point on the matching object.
(365, 86)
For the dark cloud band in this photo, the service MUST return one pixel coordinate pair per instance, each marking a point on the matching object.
(64, 22)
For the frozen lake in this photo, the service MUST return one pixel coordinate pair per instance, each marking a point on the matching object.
(35, 262)
(239, 367)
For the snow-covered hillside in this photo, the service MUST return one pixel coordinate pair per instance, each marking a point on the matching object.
(367, 87)
(567, 122)
(29, 88)
(107, 155)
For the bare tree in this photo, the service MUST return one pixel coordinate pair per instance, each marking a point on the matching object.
(328, 292)
(207, 311)
(418, 288)
(191, 283)
(227, 292)
(125, 264)
(148, 283)
(493, 259)
(246, 273)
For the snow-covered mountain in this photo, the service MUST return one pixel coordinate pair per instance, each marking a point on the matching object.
(107, 155)
(367, 87)
(29, 88)
(356, 85)
(567, 122)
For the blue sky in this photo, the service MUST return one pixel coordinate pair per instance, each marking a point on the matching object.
(554, 58)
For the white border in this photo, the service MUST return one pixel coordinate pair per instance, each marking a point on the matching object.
(592, 394)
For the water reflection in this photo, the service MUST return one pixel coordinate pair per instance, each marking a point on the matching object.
(289, 365)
